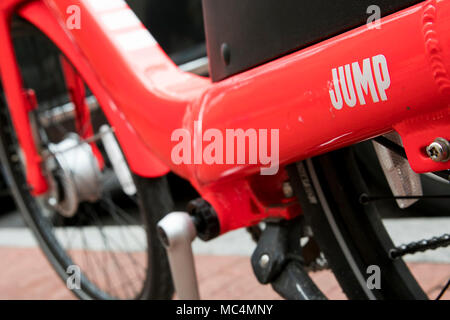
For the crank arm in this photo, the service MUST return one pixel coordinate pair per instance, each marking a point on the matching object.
(177, 231)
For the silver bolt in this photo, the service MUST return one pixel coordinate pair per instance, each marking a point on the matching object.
(287, 190)
(439, 150)
(264, 260)
(52, 201)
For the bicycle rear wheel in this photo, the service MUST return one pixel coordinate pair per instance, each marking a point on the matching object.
(90, 222)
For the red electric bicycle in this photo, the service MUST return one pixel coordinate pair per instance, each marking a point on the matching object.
(305, 109)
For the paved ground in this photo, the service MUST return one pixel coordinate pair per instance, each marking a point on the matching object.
(223, 265)
(13, 233)
(26, 274)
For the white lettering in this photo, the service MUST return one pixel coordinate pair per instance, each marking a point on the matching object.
(352, 78)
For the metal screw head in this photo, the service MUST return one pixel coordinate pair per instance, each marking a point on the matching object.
(287, 190)
(264, 261)
(52, 201)
(439, 150)
(226, 53)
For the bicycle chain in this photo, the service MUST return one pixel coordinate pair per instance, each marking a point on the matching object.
(421, 246)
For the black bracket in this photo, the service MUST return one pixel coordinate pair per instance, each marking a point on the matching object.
(277, 259)
(269, 257)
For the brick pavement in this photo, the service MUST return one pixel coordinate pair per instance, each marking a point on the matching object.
(26, 274)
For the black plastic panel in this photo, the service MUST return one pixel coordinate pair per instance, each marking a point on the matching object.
(241, 34)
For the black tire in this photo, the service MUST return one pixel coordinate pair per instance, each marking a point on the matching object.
(156, 203)
(351, 235)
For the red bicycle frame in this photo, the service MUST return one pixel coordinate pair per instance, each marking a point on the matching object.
(146, 97)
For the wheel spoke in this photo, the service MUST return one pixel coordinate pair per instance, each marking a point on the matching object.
(109, 249)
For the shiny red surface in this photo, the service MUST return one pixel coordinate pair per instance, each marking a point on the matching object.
(147, 97)
(16, 96)
(77, 93)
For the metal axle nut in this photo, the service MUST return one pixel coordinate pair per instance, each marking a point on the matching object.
(439, 150)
